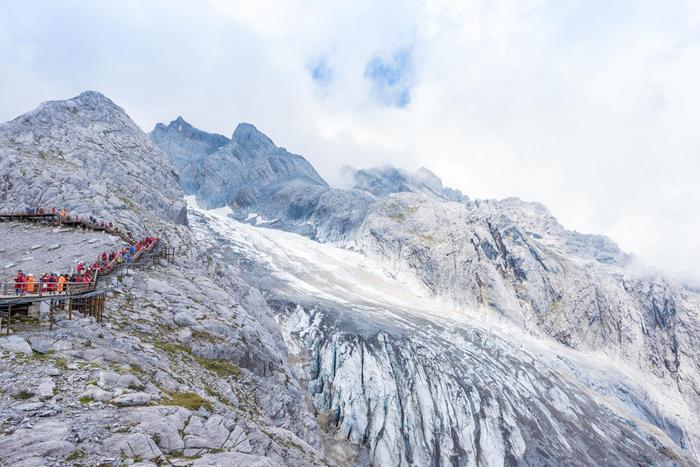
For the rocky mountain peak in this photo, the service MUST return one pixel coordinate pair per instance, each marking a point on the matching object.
(88, 108)
(252, 141)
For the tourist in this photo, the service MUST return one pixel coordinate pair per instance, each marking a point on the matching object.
(18, 282)
(30, 283)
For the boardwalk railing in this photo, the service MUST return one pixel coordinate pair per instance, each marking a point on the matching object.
(46, 289)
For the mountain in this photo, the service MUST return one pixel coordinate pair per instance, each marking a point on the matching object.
(87, 155)
(237, 173)
(189, 366)
(186, 147)
(395, 315)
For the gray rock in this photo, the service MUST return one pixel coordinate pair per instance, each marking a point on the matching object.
(134, 445)
(97, 394)
(16, 344)
(30, 406)
(132, 399)
(233, 459)
(201, 433)
(108, 378)
(72, 132)
(46, 387)
(45, 439)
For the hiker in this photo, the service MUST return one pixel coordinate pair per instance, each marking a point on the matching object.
(80, 267)
(53, 210)
(61, 283)
(30, 283)
(63, 213)
(19, 283)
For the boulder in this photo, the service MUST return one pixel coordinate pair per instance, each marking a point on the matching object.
(108, 378)
(46, 388)
(211, 433)
(134, 445)
(132, 399)
(97, 394)
(15, 344)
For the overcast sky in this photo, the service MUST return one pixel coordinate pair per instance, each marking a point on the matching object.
(590, 107)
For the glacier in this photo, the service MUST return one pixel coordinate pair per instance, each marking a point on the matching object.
(397, 376)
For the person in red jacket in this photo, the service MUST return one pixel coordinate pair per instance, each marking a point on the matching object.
(19, 279)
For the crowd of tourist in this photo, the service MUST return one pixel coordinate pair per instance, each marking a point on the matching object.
(47, 284)
(82, 273)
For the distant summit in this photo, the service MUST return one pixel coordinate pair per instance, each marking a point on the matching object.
(230, 172)
(252, 142)
(186, 147)
(385, 180)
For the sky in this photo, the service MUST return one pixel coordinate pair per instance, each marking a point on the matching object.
(590, 107)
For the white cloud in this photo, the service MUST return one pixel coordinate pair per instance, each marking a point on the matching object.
(587, 106)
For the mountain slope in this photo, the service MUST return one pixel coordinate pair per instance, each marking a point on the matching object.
(397, 378)
(189, 367)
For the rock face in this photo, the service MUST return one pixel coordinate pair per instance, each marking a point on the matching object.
(238, 172)
(87, 155)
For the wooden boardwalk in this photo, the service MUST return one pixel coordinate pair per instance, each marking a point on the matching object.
(84, 297)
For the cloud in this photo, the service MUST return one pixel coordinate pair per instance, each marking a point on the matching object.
(391, 78)
(321, 72)
(590, 107)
